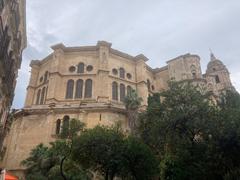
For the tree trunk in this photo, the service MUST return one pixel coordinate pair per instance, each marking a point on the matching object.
(106, 175)
(61, 168)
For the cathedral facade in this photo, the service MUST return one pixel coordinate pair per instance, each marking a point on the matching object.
(90, 83)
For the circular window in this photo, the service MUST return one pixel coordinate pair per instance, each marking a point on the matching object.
(129, 76)
(41, 79)
(72, 68)
(115, 71)
(89, 68)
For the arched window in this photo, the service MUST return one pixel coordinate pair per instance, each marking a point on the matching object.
(69, 91)
(79, 89)
(115, 91)
(38, 96)
(46, 76)
(148, 84)
(80, 68)
(122, 92)
(88, 88)
(58, 126)
(129, 90)
(122, 73)
(194, 74)
(65, 126)
(42, 95)
(217, 79)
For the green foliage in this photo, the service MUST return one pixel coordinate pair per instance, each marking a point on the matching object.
(107, 151)
(99, 149)
(191, 136)
(132, 103)
(138, 159)
(45, 162)
(71, 129)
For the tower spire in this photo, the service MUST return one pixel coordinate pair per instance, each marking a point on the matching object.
(212, 57)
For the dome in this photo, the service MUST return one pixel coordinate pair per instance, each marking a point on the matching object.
(215, 64)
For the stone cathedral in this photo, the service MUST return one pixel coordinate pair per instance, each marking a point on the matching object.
(89, 83)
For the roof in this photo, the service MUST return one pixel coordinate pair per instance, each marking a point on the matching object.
(183, 56)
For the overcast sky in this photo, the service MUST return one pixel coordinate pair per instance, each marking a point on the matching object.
(159, 29)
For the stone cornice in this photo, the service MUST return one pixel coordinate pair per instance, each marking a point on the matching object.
(183, 56)
(123, 80)
(95, 107)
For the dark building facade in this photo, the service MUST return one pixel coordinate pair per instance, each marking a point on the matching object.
(12, 42)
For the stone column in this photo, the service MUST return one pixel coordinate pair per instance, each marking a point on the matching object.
(32, 83)
(102, 89)
(54, 76)
(141, 80)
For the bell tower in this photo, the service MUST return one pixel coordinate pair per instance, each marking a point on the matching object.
(218, 75)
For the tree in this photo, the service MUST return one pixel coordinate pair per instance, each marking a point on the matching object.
(54, 161)
(99, 149)
(193, 137)
(139, 161)
(132, 103)
(108, 151)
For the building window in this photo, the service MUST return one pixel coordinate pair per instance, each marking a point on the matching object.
(41, 79)
(122, 92)
(148, 84)
(153, 88)
(80, 68)
(46, 76)
(65, 126)
(115, 91)
(89, 68)
(42, 95)
(38, 96)
(58, 126)
(72, 68)
(69, 91)
(122, 73)
(194, 74)
(88, 88)
(129, 90)
(217, 79)
(129, 76)
(79, 89)
(115, 71)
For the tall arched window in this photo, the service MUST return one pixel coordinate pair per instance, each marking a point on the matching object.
(58, 126)
(122, 73)
(115, 91)
(217, 79)
(69, 91)
(42, 95)
(88, 88)
(129, 90)
(38, 96)
(46, 76)
(65, 126)
(79, 89)
(80, 68)
(148, 84)
(122, 92)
